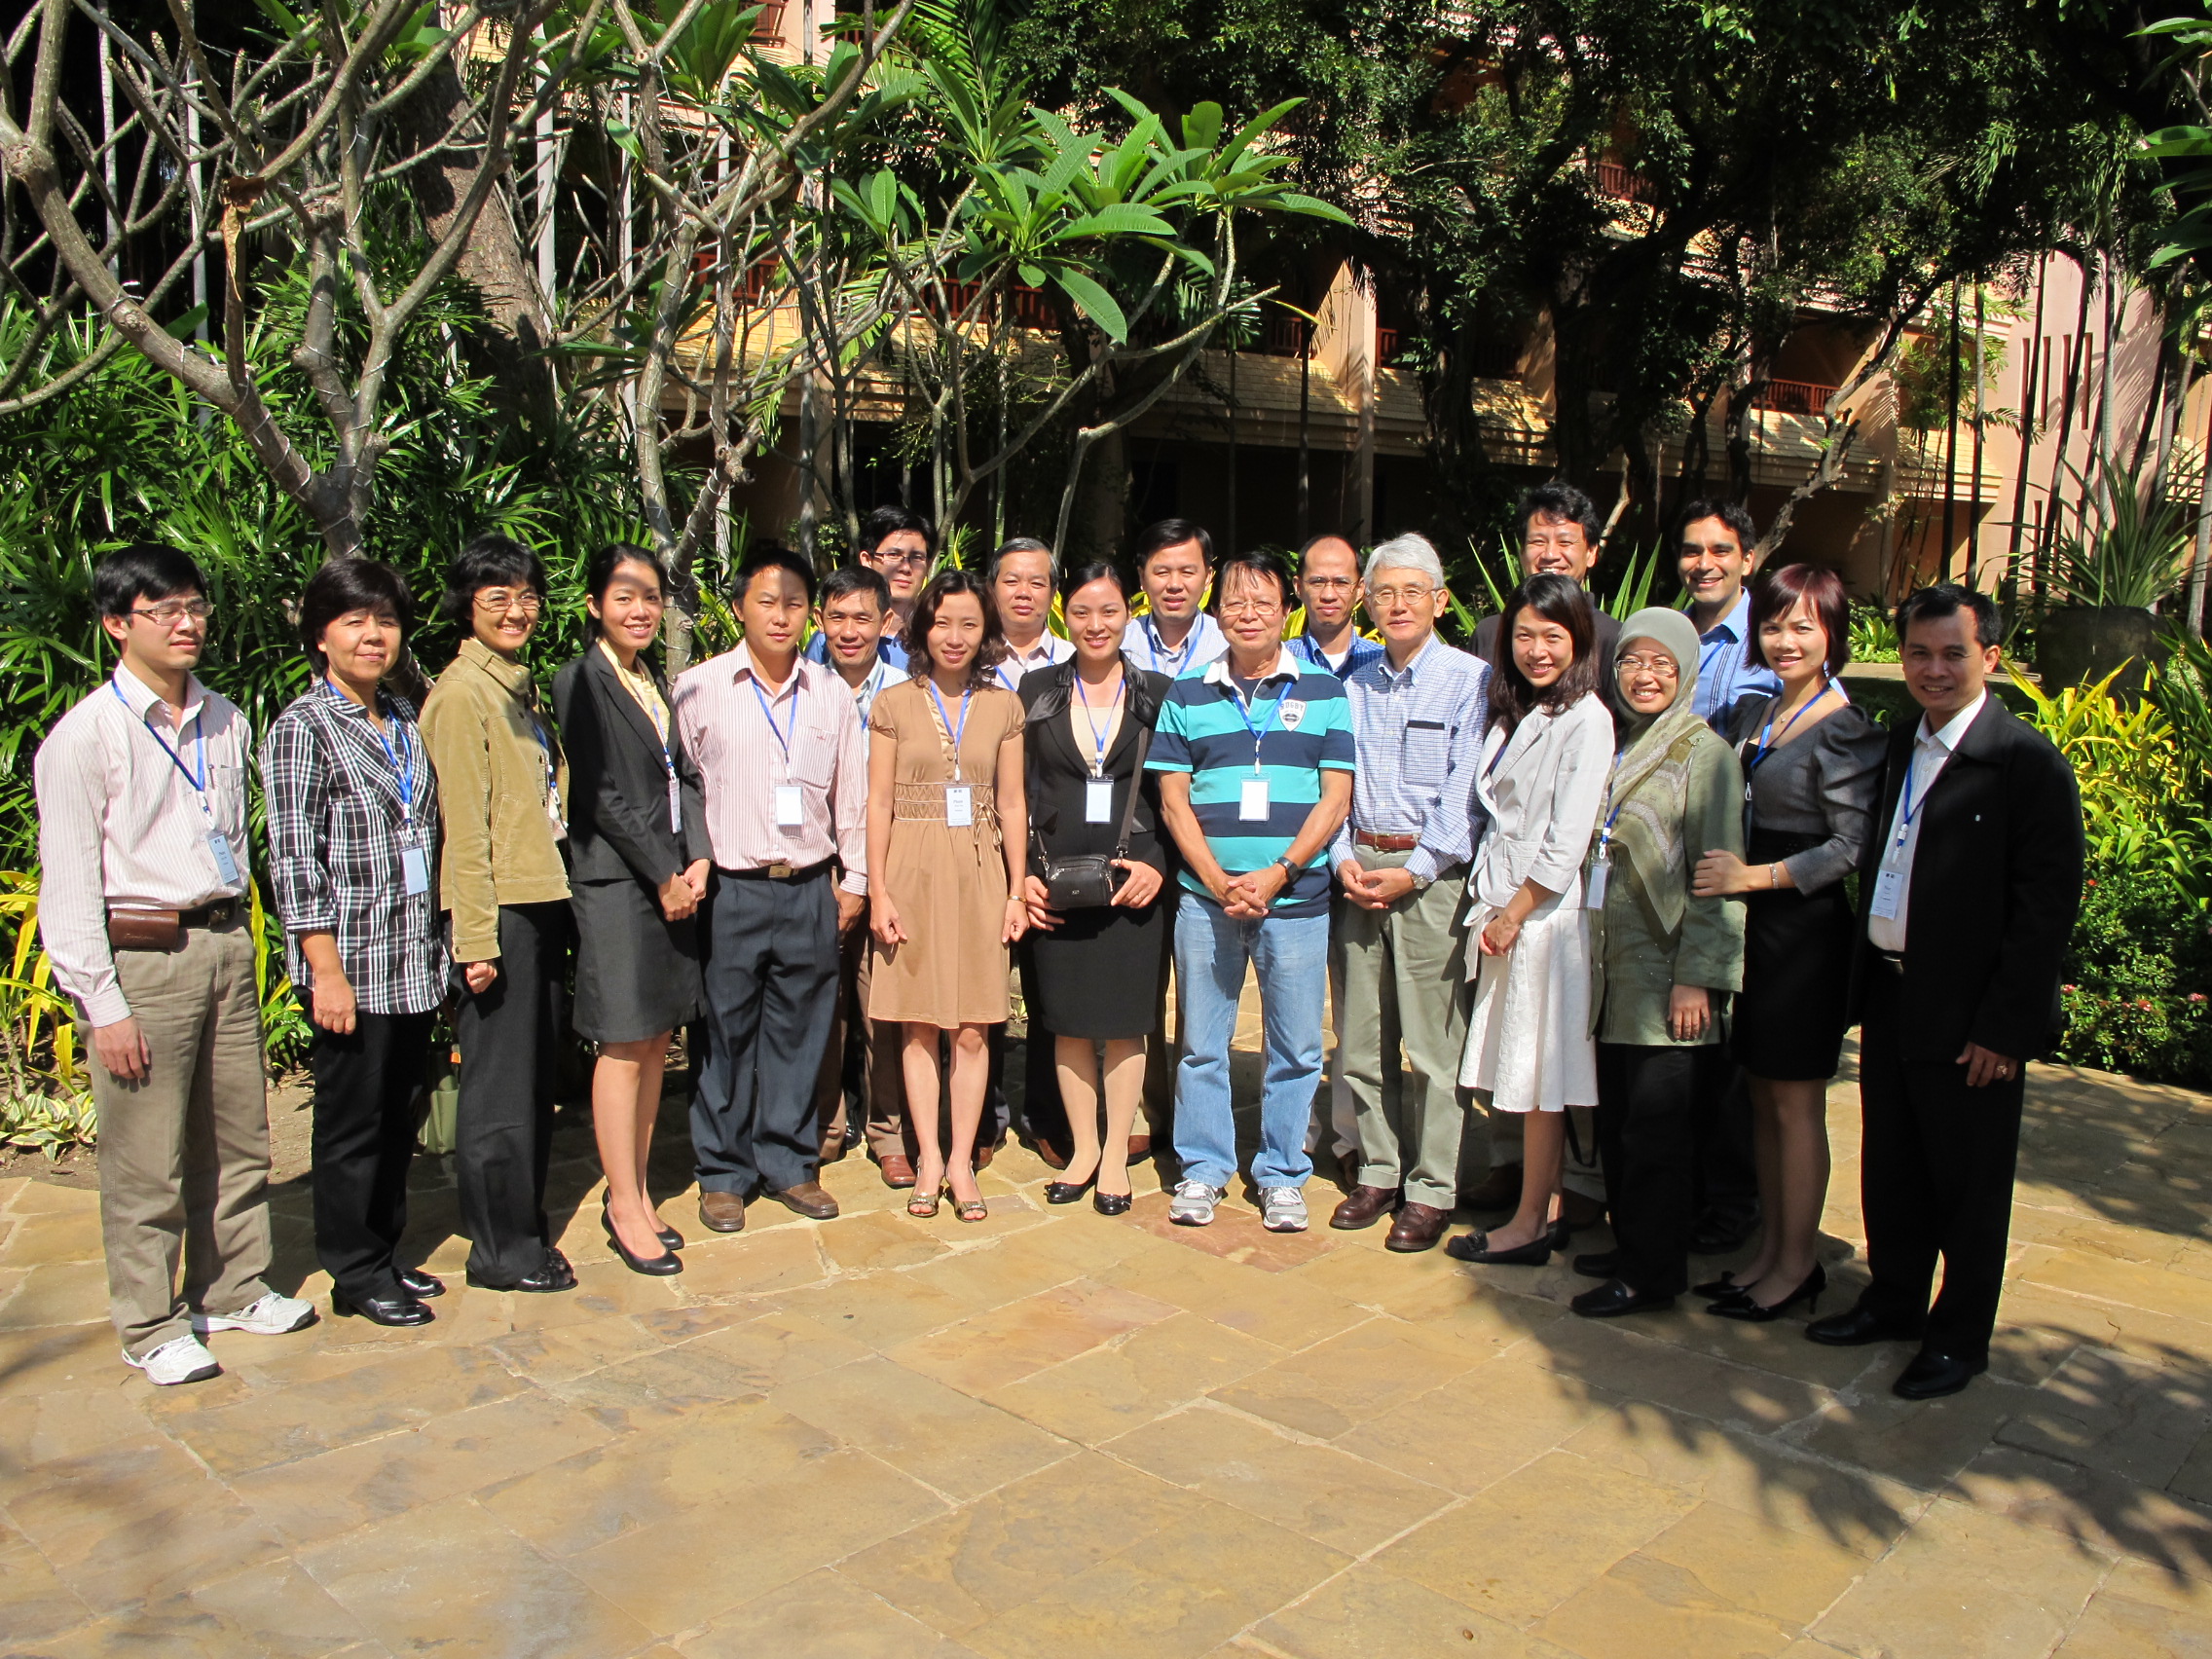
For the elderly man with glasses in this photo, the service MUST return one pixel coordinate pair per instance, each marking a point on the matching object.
(1417, 714)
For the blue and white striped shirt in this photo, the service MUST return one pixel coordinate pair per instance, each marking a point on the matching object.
(1418, 734)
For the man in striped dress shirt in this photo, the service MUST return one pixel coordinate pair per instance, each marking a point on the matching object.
(142, 847)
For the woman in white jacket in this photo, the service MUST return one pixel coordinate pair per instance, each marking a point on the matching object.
(1545, 762)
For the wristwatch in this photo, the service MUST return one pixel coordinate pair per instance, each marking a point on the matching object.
(1290, 870)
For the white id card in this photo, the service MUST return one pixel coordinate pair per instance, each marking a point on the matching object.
(1099, 800)
(219, 845)
(1594, 885)
(414, 870)
(790, 813)
(675, 807)
(1888, 893)
(1252, 802)
(959, 805)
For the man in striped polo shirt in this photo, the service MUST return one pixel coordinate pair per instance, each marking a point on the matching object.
(1254, 757)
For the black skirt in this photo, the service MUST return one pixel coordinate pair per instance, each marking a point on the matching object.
(1099, 972)
(636, 971)
(1789, 1020)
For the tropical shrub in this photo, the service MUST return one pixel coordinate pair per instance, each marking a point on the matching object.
(2136, 979)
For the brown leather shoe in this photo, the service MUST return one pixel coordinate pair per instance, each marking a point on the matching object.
(1579, 1212)
(809, 1199)
(1364, 1207)
(1417, 1226)
(985, 1152)
(1140, 1148)
(722, 1212)
(1500, 1190)
(897, 1171)
(1051, 1156)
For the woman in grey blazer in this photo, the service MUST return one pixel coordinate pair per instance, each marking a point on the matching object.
(1545, 762)
(639, 861)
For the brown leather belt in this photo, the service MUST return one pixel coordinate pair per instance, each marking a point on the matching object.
(778, 871)
(1385, 843)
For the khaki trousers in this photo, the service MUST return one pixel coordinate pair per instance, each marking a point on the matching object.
(883, 1085)
(184, 1154)
(1405, 987)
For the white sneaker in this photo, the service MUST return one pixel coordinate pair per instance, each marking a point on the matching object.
(181, 1359)
(1282, 1210)
(270, 1317)
(1192, 1204)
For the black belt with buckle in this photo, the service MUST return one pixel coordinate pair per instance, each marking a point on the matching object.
(778, 871)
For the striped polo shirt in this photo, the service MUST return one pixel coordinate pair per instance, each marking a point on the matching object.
(1206, 729)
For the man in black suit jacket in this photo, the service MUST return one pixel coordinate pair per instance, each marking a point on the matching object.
(1967, 896)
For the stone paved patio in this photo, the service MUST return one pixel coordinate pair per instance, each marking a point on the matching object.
(1059, 1434)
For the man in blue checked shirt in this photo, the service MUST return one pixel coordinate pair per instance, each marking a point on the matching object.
(1715, 555)
(1329, 590)
(1255, 757)
(1418, 716)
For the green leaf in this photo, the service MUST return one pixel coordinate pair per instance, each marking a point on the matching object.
(1201, 127)
(1095, 302)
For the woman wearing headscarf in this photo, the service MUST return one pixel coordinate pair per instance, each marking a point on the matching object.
(1665, 961)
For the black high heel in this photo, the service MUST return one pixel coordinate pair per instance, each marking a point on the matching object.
(1111, 1204)
(1722, 1289)
(1067, 1192)
(1754, 1314)
(670, 1238)
(658, 1266)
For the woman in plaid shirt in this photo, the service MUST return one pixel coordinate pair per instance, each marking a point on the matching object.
(353, 832)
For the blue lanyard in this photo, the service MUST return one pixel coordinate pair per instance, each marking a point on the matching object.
(1152, 647)
(402, 762)
(956, 731)
(1605, 831)
(197, 779)
(767, 713)
(1905, 823)
(1244, 714)
(1098, 737)
(1766, 736)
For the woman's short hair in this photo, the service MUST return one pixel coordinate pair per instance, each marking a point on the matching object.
(342, 586)
(1257, 563)
(1556, 599)
(916, 638)
(599, 573)
(490, 561)
(1090, 570)
(1777, 594)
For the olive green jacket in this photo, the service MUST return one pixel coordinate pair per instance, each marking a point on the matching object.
(500, 842)
(1634, 966)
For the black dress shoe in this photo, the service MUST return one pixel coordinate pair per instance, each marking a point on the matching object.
(1617, 1297)
(670, 1238)
(1067, 1192)
(1858, 1327)
(1475, 1247)
(380, 1309)
(1930, 1376)
(658, 1266)
(1738, 1305)
(420, 1284)
(1111, 1204)
(1598, 1264)
(1722, 1289)
(553, 1275)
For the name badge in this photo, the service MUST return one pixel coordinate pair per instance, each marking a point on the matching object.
(219, 845)
(414, 870)
(1252, 801)
(1888, 893)
(1594, 885)
(674, 806)
(959, 805)
(553, 812)
(1099, 800)
(791, 812)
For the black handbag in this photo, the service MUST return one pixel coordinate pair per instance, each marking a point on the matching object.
(1086, 881)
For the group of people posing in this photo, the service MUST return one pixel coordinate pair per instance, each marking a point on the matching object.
(1581, 901)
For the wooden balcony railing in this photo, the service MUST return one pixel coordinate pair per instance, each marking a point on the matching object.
(1795, 397)
(1620, 182)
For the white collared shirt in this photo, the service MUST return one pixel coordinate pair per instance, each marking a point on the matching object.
(1048, 651)
(870, 686)
(1931, 752)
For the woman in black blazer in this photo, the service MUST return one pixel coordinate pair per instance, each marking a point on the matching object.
(1097, 968)
(637, 869)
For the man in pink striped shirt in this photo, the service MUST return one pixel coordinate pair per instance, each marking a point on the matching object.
(783, 761)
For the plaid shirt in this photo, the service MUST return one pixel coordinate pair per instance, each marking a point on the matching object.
(334, 843)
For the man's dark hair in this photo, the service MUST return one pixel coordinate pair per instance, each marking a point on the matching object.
(1564, 501)
(772, 556)
(848, 580)
(1556, 599)
(1947, 599)
(1734, 514)
(144, 569)
(1260, 562)
(916, 636)
(1169, 532)
(599, 573)
(490, 561)
(887, 521)
(1021, 544)
(1313, 542)
(342, 586)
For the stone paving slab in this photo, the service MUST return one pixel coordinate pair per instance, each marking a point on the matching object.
(1055, 1434)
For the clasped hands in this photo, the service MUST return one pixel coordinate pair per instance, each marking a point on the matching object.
(1249, 895)
(1372, 889)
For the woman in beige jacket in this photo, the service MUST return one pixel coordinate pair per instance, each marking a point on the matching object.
(504, 882)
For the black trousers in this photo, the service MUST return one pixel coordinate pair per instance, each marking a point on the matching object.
(1727, 1167)
(1936, 1179)
(771, 975)
(1044, 1114)
(364, 1138)
(509, 1036)
(1646, 1140)
(1164, 1049)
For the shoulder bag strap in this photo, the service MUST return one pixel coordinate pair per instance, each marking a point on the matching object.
(1136, 783)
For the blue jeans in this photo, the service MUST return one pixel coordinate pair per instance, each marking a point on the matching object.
(1291, 956)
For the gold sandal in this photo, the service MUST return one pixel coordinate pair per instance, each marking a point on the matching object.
(970, 1209)
(921, 1208)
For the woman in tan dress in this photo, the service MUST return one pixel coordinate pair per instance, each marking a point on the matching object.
(946, 831)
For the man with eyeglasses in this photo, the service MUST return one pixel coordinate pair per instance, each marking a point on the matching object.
(1329, 589)
(898, 544)
(1417, 713)
(142, 909)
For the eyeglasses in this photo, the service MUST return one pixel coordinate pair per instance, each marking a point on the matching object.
(1329, 584)
(1659, 667)
(899, 556)
(499, 602)
(1251, 607)
(1383, 598)
(170, 611)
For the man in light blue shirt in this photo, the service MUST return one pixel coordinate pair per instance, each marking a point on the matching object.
(1716, 552)
(1329, 591)
(1418, 714)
